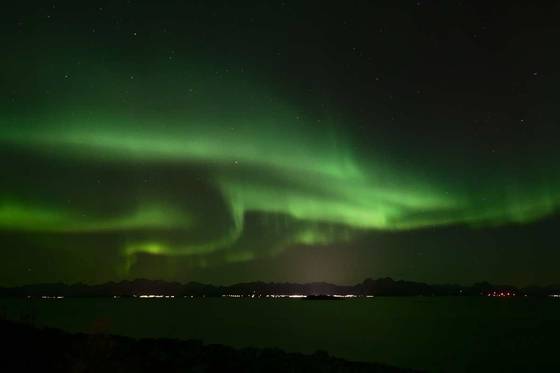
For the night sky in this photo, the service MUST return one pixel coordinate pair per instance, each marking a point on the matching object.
(280, 141)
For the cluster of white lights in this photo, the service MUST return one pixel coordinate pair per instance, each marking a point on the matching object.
(501, 294)
(554, 295)
(52, 297)
(154, 296)
(289, 296)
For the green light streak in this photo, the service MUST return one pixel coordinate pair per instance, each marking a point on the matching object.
(19, 217)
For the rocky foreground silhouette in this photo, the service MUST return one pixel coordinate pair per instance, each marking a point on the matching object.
(30, 348)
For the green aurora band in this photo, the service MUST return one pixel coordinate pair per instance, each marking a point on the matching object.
(178, 172)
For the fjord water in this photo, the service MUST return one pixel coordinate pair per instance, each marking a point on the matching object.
(451, 334)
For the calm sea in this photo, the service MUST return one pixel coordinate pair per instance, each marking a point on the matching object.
(438, 334)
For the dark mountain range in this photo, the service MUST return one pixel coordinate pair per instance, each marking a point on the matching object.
(369, 287)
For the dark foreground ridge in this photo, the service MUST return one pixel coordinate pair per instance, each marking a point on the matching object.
(369, 287)
(50, 350)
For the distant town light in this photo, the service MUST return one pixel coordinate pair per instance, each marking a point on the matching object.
(156, 296)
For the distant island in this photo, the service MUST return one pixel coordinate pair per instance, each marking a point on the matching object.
(144, 288)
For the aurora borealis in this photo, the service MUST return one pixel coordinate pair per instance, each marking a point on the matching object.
(278, 142)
